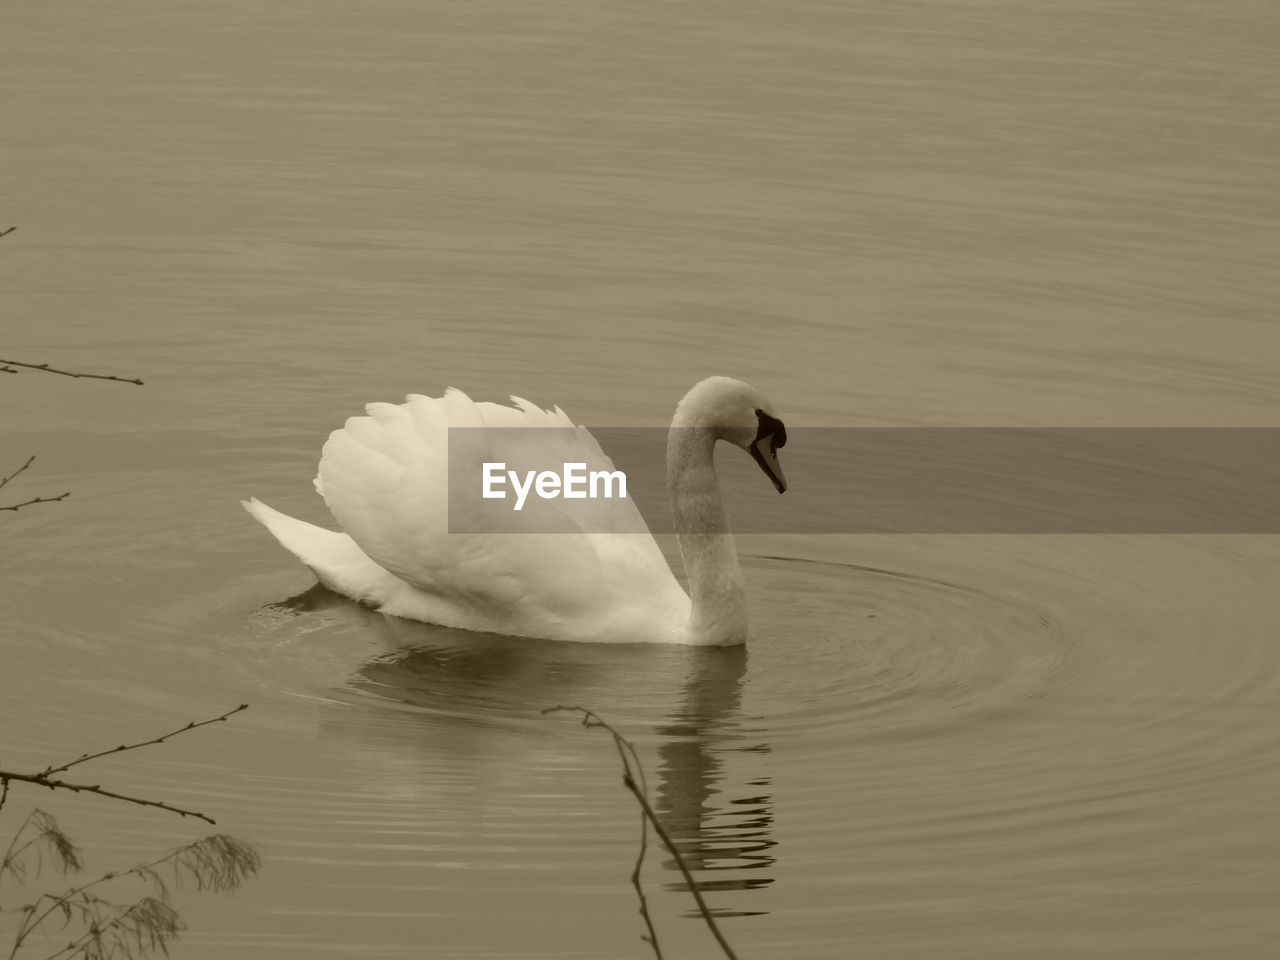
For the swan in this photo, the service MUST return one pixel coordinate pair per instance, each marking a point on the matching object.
(385, 479)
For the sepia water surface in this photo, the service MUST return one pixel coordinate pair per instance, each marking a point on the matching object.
(986, 213)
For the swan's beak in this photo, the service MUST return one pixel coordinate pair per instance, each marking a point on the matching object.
(765, 450)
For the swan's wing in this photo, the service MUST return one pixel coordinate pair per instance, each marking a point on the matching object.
(385, 478)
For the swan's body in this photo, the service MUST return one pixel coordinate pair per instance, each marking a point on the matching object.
(593, 578)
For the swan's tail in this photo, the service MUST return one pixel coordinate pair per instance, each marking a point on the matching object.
(333, 557)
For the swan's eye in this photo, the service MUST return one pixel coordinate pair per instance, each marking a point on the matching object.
(771, 427)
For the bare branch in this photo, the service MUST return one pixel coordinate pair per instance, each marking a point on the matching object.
(42, 781)
(27, 503)
(6, 364)
(30, 460)
(7, 231)
(85, 758)
(627, 752)
(651, 937)
(45, 778)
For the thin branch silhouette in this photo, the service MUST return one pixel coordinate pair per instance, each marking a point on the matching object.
(9, 366)
(5, 480)
(34, 500)
(27, 503)
(8, 230)
(12, 366)
(52, 784)
(85, 758)
(651, 937)
(6, 365)
(45, 777)
(633, 780)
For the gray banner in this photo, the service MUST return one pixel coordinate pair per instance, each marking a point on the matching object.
(889, 480)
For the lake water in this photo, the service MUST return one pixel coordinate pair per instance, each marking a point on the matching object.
(985, 213)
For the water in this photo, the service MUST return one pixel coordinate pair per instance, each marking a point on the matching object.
(978, 214)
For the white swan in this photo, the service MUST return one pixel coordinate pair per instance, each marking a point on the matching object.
(385, 479)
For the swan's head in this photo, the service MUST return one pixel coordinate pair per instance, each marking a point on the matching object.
(742, 415)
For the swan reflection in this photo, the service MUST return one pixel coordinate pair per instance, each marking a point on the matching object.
(709, 784)
(717, 829)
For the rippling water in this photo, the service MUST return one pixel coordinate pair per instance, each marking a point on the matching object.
(977, 214)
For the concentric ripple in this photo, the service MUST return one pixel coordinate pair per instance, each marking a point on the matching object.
(887, 653)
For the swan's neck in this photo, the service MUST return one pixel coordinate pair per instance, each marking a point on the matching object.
(716, 586)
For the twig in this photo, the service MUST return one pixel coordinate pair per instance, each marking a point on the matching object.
(6, 232)
(43, 781)
(651, 937)
(5, 366)
(30, 460)
(85, 758)
(626, 749)
(27, 503)
(628, 758)
(45, 778)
